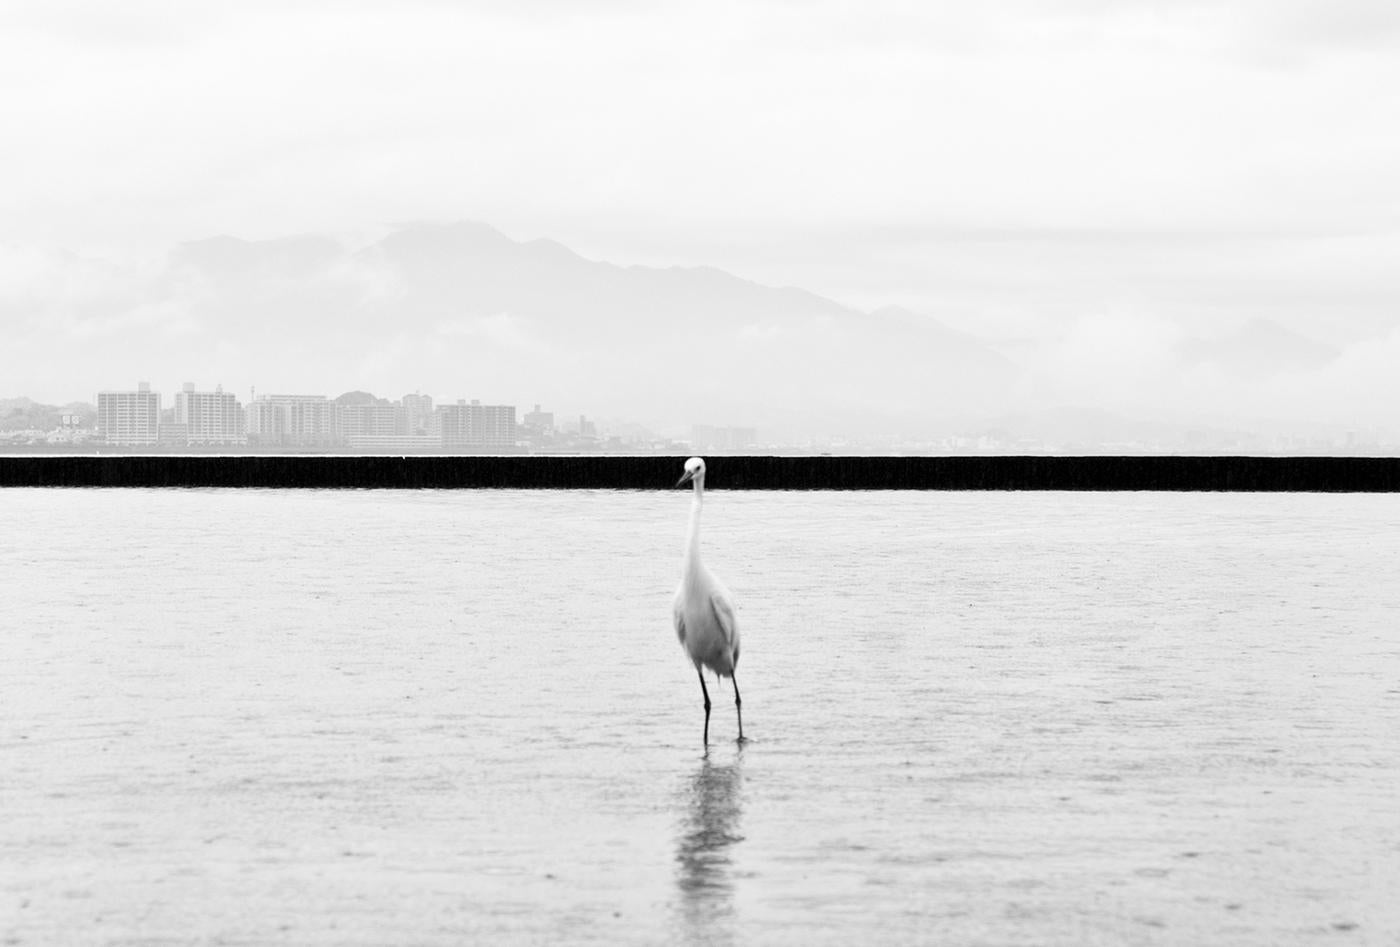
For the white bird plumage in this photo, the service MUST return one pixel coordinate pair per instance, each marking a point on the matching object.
(703, 610)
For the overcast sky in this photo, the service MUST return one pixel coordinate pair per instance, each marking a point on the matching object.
(1016, 168)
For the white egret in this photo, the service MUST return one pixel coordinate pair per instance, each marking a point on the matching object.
(703, 610)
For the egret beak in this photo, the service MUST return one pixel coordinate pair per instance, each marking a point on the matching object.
(686, 477)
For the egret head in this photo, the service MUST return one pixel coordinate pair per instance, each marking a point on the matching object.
(694, 469)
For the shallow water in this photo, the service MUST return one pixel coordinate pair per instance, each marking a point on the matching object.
(250, 717)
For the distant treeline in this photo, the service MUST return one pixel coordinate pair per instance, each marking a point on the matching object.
(21, 414)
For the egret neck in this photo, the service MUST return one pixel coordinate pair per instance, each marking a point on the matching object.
(691, 565)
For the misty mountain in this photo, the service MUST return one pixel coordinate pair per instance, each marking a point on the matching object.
(461, 310)
(917, 328)
(228, 258)
(1258, 347)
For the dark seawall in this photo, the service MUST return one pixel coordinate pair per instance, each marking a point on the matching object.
(1245, 474)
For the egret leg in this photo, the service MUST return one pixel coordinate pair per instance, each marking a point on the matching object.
(738, 706)
(707, 705)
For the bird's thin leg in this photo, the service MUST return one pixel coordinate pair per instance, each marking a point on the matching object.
(707, 705)
(738, 706)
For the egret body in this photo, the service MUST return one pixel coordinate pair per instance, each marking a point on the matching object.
(703, 610)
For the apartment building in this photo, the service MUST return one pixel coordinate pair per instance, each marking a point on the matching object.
(476, 426)
(371, 420)
(292, 420)
(418, 413)
(130, 418)
(211, 417)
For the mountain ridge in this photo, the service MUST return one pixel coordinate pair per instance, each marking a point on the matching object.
(698, 341)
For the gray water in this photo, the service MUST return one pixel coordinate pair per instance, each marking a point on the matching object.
(252, 717)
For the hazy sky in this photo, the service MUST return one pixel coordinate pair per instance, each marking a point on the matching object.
(1020, 168)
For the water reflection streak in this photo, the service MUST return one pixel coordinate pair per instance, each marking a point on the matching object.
(704, 845)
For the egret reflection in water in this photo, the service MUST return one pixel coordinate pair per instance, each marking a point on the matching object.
(704, 843)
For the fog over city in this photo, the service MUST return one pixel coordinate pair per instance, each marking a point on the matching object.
(1068, 222)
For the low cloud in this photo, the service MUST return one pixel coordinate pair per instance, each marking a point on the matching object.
(500, 328)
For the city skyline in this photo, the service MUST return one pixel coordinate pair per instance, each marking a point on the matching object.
(359, 419)
(356, 419)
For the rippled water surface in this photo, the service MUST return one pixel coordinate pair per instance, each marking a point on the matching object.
(251, 717)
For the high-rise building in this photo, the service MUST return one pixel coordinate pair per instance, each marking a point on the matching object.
(212, 417)
(292, 420)
(129, 417)
(498, 425)
(452, 422)
(372, 420)
(476, 426)
(418, 410)
(266, 424)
